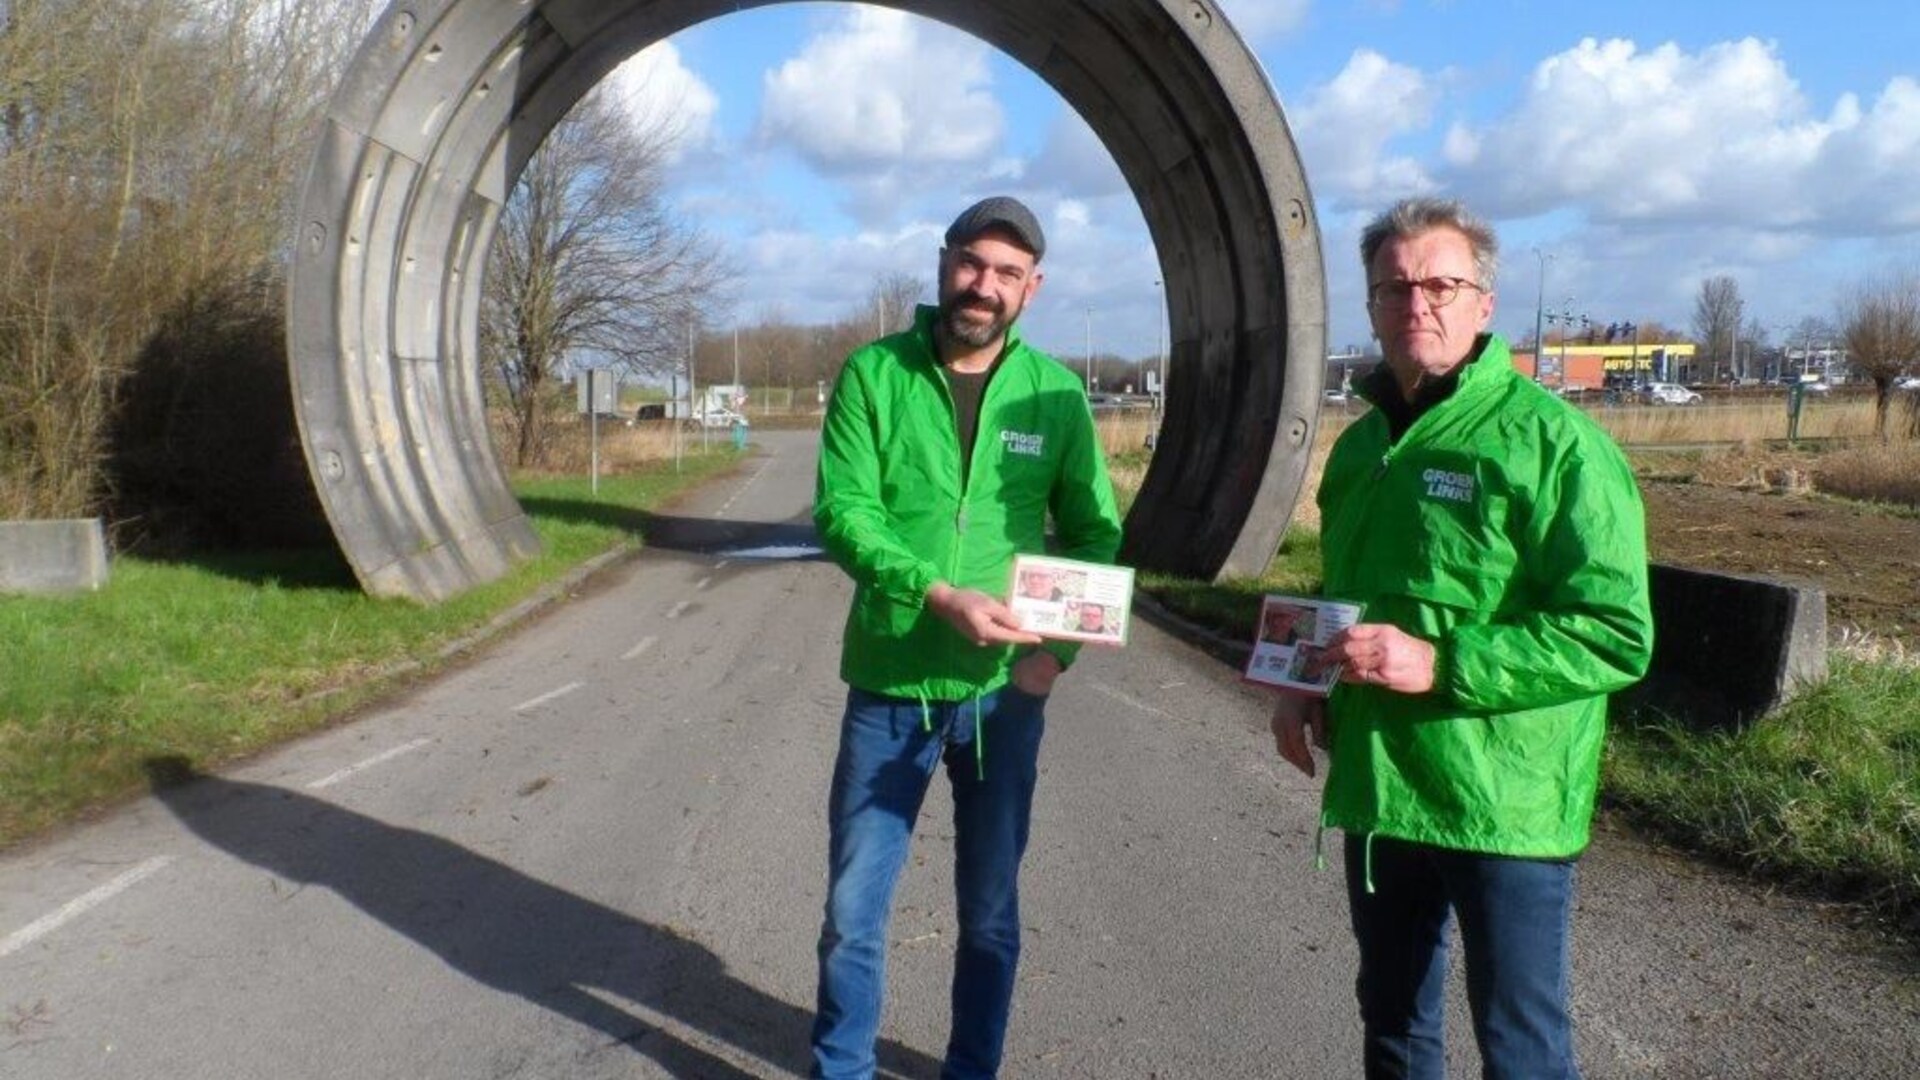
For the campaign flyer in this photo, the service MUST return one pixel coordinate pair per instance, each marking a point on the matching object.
(1072, 600)
(1291, 632)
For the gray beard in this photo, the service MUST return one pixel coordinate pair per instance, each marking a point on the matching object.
(972, 335)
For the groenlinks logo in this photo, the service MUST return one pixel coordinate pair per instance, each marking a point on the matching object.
(1451, 486)
(1020, 443)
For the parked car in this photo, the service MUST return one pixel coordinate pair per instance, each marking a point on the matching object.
(1666, 393)
(1910, 383)
(717, 416)
(656, 410)
(1335, 396)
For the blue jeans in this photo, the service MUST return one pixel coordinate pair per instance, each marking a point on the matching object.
(1513, 924)
(887, 758)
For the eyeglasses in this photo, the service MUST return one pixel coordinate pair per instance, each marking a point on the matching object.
(1439, 291)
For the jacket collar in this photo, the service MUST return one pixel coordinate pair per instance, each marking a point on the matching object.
(1489, 364)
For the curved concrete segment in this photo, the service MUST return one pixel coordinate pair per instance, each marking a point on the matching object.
(447, 99)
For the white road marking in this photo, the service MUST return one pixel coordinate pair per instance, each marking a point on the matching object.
(548, 696)
(386, 755)
(702, 583)
(73, 909)
(721, 565)
(742, 490)
(779, 551)
(1134, 702)
(678, 609)
(645, 644)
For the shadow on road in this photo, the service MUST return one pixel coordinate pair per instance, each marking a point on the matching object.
(512, 932)
(689, 535)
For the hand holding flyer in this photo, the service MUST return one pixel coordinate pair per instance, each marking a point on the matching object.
(1071, 600)
(1291, 634)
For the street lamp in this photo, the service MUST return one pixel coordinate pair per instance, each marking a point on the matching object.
(1539, 312)
(1566, 318)
(1089, 352)
(1160, 399)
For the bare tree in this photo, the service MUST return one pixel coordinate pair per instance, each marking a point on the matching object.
(1804, 337)
(1880, 327)
(895, 296)
(589, 263)
(1717, 313)
(147, 152)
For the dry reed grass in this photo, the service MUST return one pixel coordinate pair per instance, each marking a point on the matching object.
(1889, 473)
(1742, 421)
(621, 447)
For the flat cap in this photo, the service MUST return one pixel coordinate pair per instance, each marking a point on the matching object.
(999, 211)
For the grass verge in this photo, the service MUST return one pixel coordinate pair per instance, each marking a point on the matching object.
(1824, 792)
(218, 657)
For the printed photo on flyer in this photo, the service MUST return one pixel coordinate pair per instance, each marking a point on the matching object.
(1072, 600)
(1289, 637)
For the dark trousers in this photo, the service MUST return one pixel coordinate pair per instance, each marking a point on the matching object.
(1513, 916)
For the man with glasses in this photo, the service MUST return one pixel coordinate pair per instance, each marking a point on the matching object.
(1497, 539)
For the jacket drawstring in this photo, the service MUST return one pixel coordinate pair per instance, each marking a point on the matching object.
(979, 741)
(926, 714)
(1319, 845)
(1368, 863)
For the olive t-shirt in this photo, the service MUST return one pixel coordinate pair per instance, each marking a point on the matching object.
(968, 388)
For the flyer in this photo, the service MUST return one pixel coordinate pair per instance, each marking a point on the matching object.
(1072, 600)
(1291, 632)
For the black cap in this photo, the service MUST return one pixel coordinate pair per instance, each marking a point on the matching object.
(1002, 211)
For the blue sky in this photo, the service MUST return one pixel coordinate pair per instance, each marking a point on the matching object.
(1639, 147)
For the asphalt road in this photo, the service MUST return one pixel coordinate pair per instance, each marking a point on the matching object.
(596, 850)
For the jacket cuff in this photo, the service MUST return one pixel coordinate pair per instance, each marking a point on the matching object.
(1442, 669)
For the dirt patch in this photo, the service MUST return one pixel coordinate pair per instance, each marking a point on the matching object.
(1867, 559)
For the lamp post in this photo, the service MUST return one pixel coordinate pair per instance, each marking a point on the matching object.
(1160, 399)
(1539, 312)
(1089, 352)
(1566, 317)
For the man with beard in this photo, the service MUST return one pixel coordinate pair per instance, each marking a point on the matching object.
(944, 450)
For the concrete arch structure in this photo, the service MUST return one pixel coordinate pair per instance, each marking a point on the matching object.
(447, 100)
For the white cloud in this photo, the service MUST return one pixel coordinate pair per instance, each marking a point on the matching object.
(1258, 20)
(1724, 135)
(1074, 162)
(1345, 126)
(658, 89)
(884, 89)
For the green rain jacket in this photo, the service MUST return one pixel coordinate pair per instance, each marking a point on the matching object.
(1505, 528)
(893, 509)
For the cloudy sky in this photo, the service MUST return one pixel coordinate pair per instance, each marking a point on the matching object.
(1632, 148)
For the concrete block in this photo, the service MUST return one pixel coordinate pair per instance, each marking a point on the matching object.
(52, 556)
(1728, 648)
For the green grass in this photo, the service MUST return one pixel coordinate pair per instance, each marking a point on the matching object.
(1231, 608)
(221, 656)
(1823, 792)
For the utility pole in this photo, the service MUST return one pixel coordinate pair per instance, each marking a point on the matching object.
(1089, 352)
(1566, 317)
(1539, 313)
(1161, 398)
